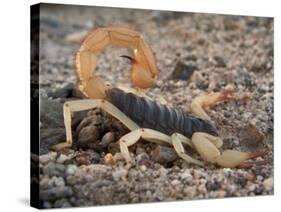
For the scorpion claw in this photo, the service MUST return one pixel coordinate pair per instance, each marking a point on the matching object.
(253, 155)
(248, 164)
(233, 158)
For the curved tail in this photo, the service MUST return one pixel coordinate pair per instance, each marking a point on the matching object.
(144, 71)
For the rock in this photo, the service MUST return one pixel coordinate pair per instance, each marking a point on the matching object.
(113, 148)
(62, 203)
(199, 174)
(218, 194)
(58, 181)
(77, 117)
(92, 118)
(190, 192)
(87, 135)
(51, 113)
(55, 193)
(259, 67)
(163, 173)
(118, 157)
(253, 131)
(186, 175)
(143, 168)
(44, 159)
(175, 182)
(101, 183)
(119, 174)
(66, 91)
(81, 160)
(87, 157)
(53, 169)
(202, 189)
(213, 185)
(251, 187)
(140, 150)
(268, 184)
(144, 160)
(50, 22)
(230, 25)
(47, 205)
(62, 158)
(71, 169)
(163, 154)
(183, 71)
(108, 138)
(219, 62)
(251, 136)
(88, 174)
(50, 137)
(44, 182)
(76, 37)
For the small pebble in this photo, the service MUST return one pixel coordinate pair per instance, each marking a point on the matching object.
(143, 168)
(62, 158)
(62, 203)
(190, 192)
(202, 189)
(71, 169)
(55, 193)
(107, 139)
(186, 175)
(44, 159)
(58, 181)
(53, 169)
(268, 184)
(119, 174)
(175, 182)
(47, 205)
(87, 135)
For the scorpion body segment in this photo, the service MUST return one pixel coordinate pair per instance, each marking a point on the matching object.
(152, 115)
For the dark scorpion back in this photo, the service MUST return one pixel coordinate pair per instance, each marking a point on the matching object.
(152, 115)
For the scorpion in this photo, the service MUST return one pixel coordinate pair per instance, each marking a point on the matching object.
(145, 118)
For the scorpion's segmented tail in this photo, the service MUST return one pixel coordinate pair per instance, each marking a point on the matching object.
(144, 69)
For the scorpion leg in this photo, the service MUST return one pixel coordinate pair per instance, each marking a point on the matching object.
(177, 141)
(202, 103)
(147, 134)
(80, 105)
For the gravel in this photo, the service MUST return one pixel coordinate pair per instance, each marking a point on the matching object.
(211, 51)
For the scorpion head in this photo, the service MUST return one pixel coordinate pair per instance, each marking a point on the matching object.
(208, 127)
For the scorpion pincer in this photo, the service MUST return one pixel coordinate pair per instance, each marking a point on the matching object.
(145, 118)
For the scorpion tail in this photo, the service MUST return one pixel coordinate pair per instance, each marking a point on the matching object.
(89, 84)
(144, 69)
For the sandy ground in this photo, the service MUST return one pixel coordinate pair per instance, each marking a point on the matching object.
(222, 49)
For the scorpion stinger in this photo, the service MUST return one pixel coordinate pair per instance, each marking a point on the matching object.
(129, 58)
(145, 118)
